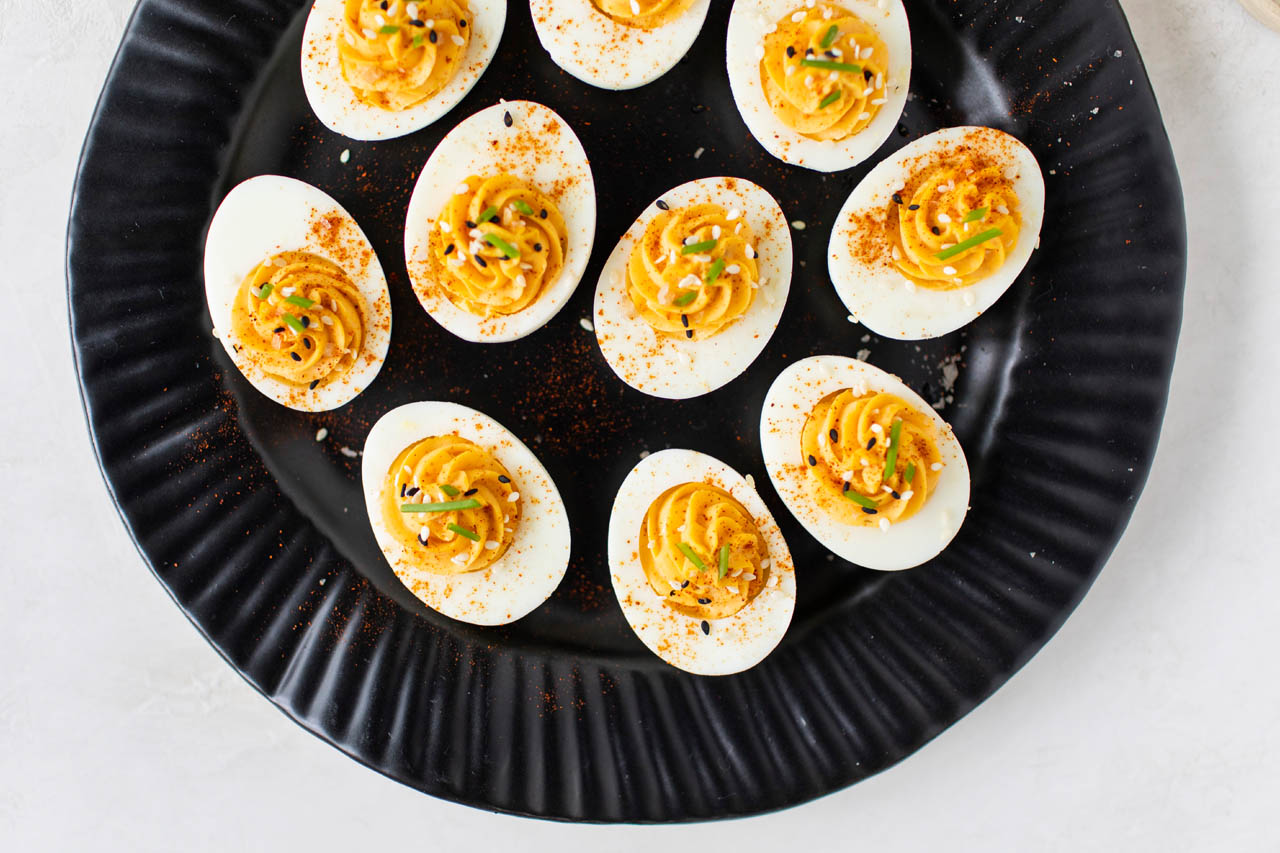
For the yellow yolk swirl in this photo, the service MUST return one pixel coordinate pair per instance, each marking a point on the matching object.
(442, 469)
(308, 328)
(397, 54)
(944, 205)
(475, 267)
(824, 103)
(693, 294)
(646, 14)
(704, 518)
(846, 446)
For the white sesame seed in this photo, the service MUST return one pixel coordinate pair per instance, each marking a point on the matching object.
(863, 116)
(586, 324)
(513, 497)
(765, 563)
(878, 101)
(698, 153)
(937, 466)
(877, 429)
(322, 434)
(797, 17)
(943, 218)
(733, 269)
(969, 298)
(369, 34)
(345, 156)
(906, 496)
(1002, 210)
(798, 224)
(847, 476)
(445, 226)
(348, 452)
(424, 534)
(751, 251)
(635, 7)
(715, 232)
(412, 10)
(459, 40)
(948, 270)
(491, 545)
(880, 81)
(675, 584)
(748, 577)
(459, 559)
(884, 524)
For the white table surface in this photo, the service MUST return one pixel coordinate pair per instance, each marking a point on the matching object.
(1150, 722)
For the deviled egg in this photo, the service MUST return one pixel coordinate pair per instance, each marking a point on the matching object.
(501, 223)
(377, 69)
(617, 44)
(935, 234)
(465, 514)
(863, 462)
(695, 288)
(819, 85)
(296, 293)
(699, 566)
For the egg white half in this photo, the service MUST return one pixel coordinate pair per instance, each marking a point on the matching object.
(601, 52)
(534, 564)
(876, 294)
(270, 214)
(678, 369)
(905, 544)
(751, 20)
(539, 147)
(734, 643)
(336, 105)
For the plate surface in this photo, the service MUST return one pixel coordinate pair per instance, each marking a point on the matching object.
(258, 530)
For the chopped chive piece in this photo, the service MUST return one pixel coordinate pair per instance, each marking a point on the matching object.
(523, 206)
(966, 245)
(685, 299)
(388, 29)
(489, 213)
(830, 65)
(724, 560)
(300, 301)
(829, 100)
(448, 490)
(717, 267)
(502, 245)
(909, 474)
(975, 214)
(293, 323)
(830, 37)
(264, 291)
(417, 41)
(697, 248)
(464, 532)
(860, 500)
(891, 460)
(693, 558)
(442, 506)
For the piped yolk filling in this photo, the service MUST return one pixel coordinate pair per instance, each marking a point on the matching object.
(824, 72)
(701, 551)
(644, 14)
(693, 272)
(395, 55)
(498, 244)
(300, 319)
(870, 459)
(451, 504)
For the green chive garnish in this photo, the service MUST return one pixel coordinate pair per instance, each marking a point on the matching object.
(965, 246)
(831, 65)
(442, 506)
(502, 245)
(293, 323)
(891, 460)
(829, 100)
(698, 248)
(975, 214)
(489, 213)
(685, 299)
(388, 29)
(417, 41)
(910, 473)
(448, 490)
(523, 207)
(464, 532)
(693, 558)
(717, 267)
(860, 499)
(264, 291)
(830, 37)
(724, 560)
(300, 301)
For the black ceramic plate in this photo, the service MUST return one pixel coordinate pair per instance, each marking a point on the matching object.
(258, 531)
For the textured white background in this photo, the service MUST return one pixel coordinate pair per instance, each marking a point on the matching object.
(1151, 722)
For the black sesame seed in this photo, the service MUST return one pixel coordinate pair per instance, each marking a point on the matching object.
(808, 51)
(846, 488)
(896, 496)
(383, 4)
(868, 510)
(295, 356)
(412, 491)
(662, 205)
(462, 25)
(673, 592)
(688, 333)
(791, 51)
(684, 320)
(433, 37)
(683, 585)
(871, 443)
(448, 250)
(470, 224)
(480, 261)
(306, 342)
(506, 119)
(704, 601)
(831, 54)
(537, 247)
(503, 478)
(866, 74)
(812, 460)
(937, 232)
(913, 207)
(314, 383)
(706, 627)
(469, 492)
(421, 540)
(306, 321)
(403, 486)
(897, 199)
(416, 23)
(835, 435)
(542, 214)
(699, 108)
(279, 330)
